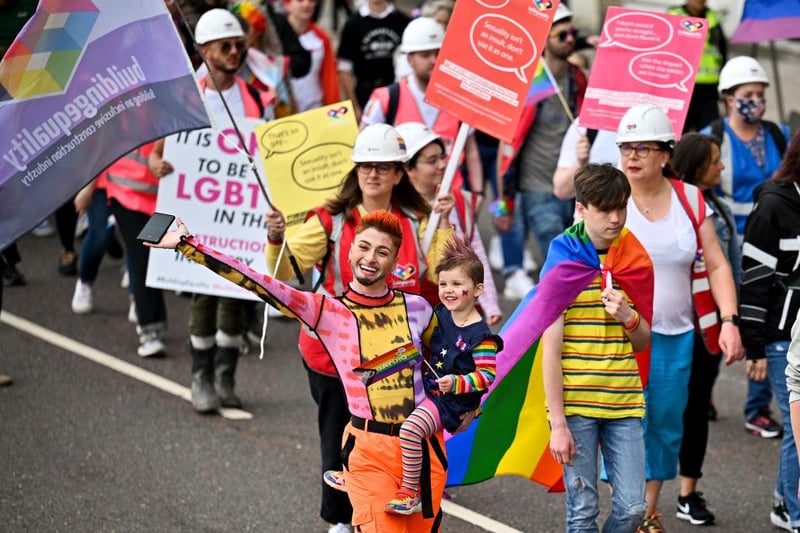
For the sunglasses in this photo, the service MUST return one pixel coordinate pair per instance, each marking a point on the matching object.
(226, 46)
(563, 34)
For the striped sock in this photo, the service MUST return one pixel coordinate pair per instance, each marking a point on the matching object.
(419, 425)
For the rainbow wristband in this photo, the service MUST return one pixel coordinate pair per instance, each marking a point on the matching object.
(499, 208)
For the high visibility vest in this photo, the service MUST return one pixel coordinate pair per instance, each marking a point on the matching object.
(131, 183)
(252, 108)
(446, 125)
(711, 61)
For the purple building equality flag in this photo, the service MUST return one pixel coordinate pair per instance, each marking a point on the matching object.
(768, 20)
(84, 83)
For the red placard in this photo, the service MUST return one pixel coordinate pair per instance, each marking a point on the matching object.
(488, 60)
(643, 57)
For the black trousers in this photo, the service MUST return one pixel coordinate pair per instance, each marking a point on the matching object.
(332, 417)
(705, 369)
(151, 310)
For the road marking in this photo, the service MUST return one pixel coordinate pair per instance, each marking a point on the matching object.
(109, 361)
(468, 515)
(166, 385)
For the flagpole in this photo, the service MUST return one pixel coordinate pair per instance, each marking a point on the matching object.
(447, 181)
(563, 100)
(252, 164)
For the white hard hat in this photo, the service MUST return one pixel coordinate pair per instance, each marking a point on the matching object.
(563, 12)
(217, 24)
(422, 34)
(417, 136)
(379, 143)
(645, 122)
(741, 70)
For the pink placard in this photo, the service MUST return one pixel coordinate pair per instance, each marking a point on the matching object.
(643, 57)
(488, 60)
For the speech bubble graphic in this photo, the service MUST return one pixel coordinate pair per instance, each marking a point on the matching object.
(503, 44)
(637, 31)
(283, 137)
(322, 167)
(661, 69)
(493, 4)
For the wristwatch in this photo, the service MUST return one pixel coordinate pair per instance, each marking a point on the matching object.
(733, 319)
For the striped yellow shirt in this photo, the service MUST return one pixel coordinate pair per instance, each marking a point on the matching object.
(601, 377)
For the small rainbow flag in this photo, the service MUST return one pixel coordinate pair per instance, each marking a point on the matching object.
(389, 363)
(541, 87)
(512, 435)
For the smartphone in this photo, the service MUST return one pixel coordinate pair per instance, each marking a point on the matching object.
(155, 228)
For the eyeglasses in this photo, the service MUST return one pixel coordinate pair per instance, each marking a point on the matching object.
(382, 169)
(226, 46)
(563, 34)
(640, 149)
(433, 160)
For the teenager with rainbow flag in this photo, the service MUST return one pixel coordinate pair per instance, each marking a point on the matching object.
(594, 391)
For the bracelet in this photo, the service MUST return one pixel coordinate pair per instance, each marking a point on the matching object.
(479, 193)
(500, 208)
(183, 238)
(634, 323)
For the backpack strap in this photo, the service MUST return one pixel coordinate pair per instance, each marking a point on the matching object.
(333, 232)
(777, 136)
(693, 204)
(394, 102)
(257, 97)
(716, 130)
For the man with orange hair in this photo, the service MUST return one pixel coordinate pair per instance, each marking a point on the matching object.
(369, 323)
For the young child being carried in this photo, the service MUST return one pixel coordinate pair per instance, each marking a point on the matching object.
(461, 369)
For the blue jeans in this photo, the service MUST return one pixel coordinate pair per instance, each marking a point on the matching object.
(488, 153)
(540, 213)
(622, 444)
(759, 396)
(788, 468)
(97, 238)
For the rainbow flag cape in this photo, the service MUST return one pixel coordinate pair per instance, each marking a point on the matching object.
(512, 434)
(541, 87)
(389, 363)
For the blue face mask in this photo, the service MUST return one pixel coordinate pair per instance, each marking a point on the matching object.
(751, 110)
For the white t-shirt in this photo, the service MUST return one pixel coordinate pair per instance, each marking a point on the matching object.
(604, 148)
(308, 89)
(672, 246)
(215, 106)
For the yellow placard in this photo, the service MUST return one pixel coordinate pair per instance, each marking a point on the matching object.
(306, 157)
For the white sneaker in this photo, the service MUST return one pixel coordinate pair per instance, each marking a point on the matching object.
(518, 285)
(45, 229)
(496, 253)
(125, 282)
(82, 299)
(82, 226)
(150, 345)
(529, 264)
(132, 318)
(340, 528)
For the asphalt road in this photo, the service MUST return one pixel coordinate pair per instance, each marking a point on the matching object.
(88, 447)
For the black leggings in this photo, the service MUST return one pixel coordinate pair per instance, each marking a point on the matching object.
(705, 369)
